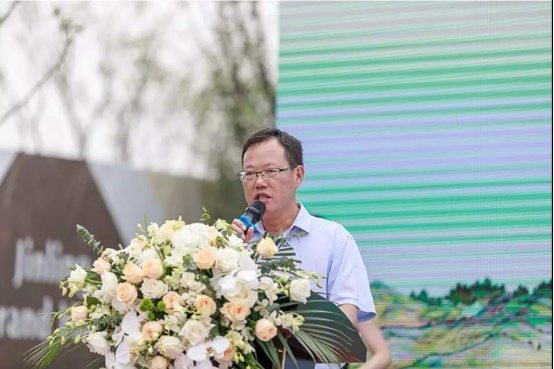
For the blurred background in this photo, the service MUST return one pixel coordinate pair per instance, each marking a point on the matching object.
(427, 129)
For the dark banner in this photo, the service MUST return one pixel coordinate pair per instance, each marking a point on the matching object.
(41, 201)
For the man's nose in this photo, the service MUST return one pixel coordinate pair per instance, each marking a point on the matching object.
(260, 181)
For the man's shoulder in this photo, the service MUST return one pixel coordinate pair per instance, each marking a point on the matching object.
(329, 227)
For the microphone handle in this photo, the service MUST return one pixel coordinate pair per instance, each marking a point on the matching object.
(247, 223)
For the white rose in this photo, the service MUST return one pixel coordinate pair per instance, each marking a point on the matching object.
(221, 224)
(300, 290)
(108, 254)
(135, 249)
(188, 280)
(78, 275)
(170, 347)
(97, 344)
(150, 254)
(109, 285)
(227, 260)
(191, 236)
(195, 332)
(153, 288)
(265, 283)
(78, 313)
(176, 258)
(236, 242)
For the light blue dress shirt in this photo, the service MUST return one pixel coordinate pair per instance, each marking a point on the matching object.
(327, 248)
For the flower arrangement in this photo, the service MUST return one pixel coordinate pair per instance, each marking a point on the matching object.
(187, 296)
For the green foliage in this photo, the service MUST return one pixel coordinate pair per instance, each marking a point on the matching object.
(422, 296)
(89, 240)
(479, 291)
(146, 305)
(544, 289)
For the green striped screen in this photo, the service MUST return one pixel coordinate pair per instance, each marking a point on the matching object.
(427, 134)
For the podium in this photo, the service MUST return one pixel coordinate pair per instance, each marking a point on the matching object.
(350, 347)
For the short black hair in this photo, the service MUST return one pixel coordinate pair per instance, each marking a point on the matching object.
(293, 147)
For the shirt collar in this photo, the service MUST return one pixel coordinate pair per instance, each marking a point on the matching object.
(303, 222)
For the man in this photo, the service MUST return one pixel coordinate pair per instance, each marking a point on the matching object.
(272, 171)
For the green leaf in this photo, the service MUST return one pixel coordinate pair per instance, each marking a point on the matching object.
(271, 354)
(287, 348)
(91, 300)
(89, 240)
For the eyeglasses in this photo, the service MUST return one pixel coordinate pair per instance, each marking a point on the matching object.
(266, 173)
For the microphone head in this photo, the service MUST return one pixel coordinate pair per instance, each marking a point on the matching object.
(255, 211)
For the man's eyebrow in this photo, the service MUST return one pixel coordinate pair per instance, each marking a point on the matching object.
(266, 166)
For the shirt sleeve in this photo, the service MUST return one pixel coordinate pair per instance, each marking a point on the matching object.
(347, 281)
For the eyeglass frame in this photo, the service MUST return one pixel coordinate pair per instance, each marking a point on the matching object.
(243, 179)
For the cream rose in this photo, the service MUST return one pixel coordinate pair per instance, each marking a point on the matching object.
(212, 235)
(195, 332)
(237, 310)
(205, 258)
(151, 330)
(265, 330)
(153, 288)
(153, 268)
(132, 273)
(100, 266)
(173, 302)
(168, 229)
(158, 362)
(126, 293)
(170, 347)
(78, 313)
(266, 248)
(228, 355)
(300, 290)
(206, 304)
(227, 260)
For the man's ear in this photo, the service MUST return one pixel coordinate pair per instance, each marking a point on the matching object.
(300, 171)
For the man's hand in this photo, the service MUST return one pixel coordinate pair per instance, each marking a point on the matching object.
(239, 228)
(373, 338)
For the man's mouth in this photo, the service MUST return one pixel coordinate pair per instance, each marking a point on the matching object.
(262, 197)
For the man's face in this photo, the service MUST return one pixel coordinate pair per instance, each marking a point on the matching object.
(276, 193)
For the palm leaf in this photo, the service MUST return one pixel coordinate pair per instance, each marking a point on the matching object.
(323, 351)
(271, 354)
(287, 348)
(324, 329)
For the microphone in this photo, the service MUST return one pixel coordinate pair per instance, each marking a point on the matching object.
(253, 214)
